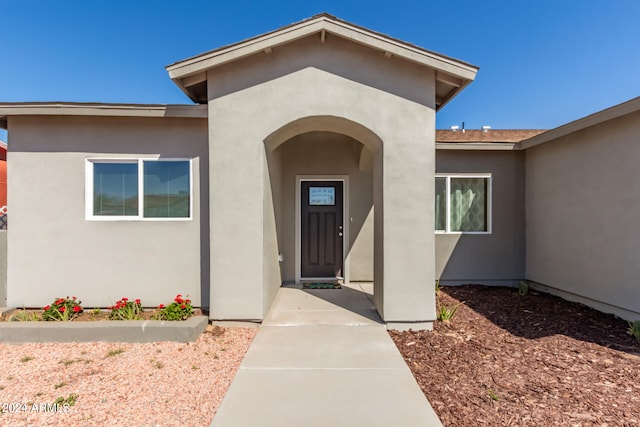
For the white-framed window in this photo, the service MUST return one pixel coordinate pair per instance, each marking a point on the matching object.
(463, 203)
(138, 189)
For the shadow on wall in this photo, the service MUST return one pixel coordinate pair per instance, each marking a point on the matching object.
(486, 259)
(539, 315)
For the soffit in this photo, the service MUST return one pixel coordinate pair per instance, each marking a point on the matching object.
(451, 75)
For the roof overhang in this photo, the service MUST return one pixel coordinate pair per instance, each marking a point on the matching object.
(451, 75)
(614, 112)
(98, 109)
(477, 146)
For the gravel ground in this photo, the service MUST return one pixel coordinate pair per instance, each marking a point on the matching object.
(151, 384)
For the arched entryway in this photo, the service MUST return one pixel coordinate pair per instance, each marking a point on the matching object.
(321, 176)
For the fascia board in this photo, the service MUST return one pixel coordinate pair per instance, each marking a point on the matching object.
(113, 110)
(240, 50)
(359, 35)
(614, 112)
(411, 53)
(477, 146)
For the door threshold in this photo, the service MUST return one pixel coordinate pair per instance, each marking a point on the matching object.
(323, 279)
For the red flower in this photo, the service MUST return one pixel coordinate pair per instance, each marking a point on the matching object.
(183, 306)
(125, 299)
(161, 306)
(74, 298)
(76, 308)
(138, 302)
(47, 308)
(62, 309)
(188, 301)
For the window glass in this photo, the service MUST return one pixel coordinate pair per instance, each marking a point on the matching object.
(441, 204)
(468, 204)
(322, 196)
(166, 189)
(115, 189)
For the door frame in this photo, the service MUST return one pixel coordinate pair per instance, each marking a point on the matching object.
(346, 219)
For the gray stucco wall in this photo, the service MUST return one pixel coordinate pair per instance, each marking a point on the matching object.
(583, 238)
(350, 86)
(499, 257)
(54, 251)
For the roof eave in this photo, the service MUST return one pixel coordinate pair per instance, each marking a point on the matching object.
(99, 109)
(602, 116)
(323, 24)
(477, 146)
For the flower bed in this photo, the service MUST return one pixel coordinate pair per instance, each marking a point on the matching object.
(126, 321)
(70, 308)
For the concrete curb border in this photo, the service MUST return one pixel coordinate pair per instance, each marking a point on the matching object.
(131, 331)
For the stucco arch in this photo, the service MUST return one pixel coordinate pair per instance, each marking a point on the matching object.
(249, 130)
(335, 124)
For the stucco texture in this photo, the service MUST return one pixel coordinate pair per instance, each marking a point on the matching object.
(582, 215)
(497, 257)
(54, 251)
(309, 86)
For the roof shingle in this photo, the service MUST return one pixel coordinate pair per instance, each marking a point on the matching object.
(498, 135)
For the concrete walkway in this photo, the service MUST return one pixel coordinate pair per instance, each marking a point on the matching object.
(323, 358)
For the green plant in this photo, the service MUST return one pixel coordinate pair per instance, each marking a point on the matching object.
(126, 310)
(179, 309)
(96, 311)
(59, 385)
(69, 400)
(437, 286)
(67, 362)
(26, 359)
(493, 396)
(63, 309)
(446, 313)
(634, 329)
(24, 316)
(115, 352)
(523, 289)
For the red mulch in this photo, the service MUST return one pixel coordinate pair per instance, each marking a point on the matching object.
(534, 360)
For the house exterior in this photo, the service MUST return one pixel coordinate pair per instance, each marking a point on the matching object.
(309, 153)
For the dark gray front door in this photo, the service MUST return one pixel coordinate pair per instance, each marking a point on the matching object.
(321, 228)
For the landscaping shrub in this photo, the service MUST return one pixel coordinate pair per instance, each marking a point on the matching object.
(62, 309)
(179, 309)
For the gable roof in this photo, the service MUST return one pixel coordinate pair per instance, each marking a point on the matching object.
(452, 75)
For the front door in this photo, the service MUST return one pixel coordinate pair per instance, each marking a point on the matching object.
(321, 229)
